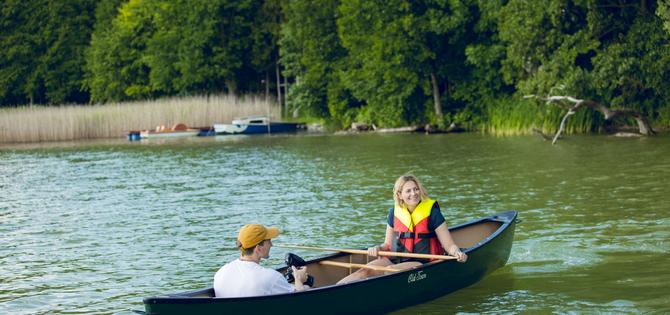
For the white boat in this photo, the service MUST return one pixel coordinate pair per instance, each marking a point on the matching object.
(150, 134)
(178, 130)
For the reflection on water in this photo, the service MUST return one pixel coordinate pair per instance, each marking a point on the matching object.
(93, 227)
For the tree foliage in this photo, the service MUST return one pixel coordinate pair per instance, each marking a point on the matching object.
(156, 48)
(42, 54)
(394, 48)
(312, 52)
(389, 63)
(587, 48)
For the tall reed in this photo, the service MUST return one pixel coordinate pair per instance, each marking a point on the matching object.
(72, 122)
(507, 117)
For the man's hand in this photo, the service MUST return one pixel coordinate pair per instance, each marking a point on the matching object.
(300, 274)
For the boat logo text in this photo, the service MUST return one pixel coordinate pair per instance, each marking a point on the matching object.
(417, 276)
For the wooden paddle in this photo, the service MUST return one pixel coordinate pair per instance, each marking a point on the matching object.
(365, 252)
(352, 265)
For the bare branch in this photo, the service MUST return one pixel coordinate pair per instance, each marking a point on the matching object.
(563, 100)
(560, 130)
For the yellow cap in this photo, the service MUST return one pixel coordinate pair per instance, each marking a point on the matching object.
(252, 234)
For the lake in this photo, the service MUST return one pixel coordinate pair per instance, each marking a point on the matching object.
(94, 226)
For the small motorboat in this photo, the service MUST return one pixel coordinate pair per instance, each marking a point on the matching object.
(256, 125)
(487, 242)
(178, 130)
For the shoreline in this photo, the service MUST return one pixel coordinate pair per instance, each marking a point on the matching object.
(43, 124)
(77, 122)
(73, 143)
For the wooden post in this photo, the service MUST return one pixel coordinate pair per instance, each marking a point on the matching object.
(267, 85)
(278, 84)
(436, 96)
(285, 111)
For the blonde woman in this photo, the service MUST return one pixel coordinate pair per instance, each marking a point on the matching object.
(415, 225)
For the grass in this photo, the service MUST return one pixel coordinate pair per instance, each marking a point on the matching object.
(73, 122)
(508, 117)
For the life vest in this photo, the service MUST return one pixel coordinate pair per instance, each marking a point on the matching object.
(411, 233)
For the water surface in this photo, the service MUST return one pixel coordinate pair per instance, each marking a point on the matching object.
(93, 227)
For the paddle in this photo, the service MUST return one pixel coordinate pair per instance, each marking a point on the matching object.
(365, 252)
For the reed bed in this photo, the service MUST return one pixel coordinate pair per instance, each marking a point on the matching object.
(508, 118)
(113, 120)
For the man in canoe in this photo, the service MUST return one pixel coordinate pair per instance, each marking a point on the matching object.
(415, 225)
(245, 277)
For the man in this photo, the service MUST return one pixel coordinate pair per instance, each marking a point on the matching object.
(245, 277)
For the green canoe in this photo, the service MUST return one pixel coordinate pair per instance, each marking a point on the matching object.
(487, 242)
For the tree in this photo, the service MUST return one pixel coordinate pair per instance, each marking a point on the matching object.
(312, 52)
(663, 11)
(116, 70)
(231, 41)
(20, 40)
(156, 48)
(265, 35)
(401, 52)
(482, 86)
(589, 50)
(42, 58)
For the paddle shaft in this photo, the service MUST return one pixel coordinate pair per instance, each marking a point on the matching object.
(352, 265)
(365, 252)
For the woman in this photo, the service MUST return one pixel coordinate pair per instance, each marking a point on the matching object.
(415, 225)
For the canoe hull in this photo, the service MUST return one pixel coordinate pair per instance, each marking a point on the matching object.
(374, 295)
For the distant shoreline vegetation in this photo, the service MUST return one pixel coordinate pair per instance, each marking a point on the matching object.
(39, 123)
(388, 63)
(75, 122)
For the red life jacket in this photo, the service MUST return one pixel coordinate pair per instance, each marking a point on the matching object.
(411, 233)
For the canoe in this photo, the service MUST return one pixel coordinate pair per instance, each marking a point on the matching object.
(487, 241)
(255, 125)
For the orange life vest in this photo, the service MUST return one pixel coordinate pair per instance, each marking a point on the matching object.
(411, 233)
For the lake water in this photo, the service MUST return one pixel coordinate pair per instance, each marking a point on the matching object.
(93, 227)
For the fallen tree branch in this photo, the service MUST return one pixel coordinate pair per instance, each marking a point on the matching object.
(399, 129)
(541, 134)
(609, 114)
(453, 127)
(571, 111)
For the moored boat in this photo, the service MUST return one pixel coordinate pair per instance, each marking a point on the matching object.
(256, 125)
(487, 242)
(178, 130)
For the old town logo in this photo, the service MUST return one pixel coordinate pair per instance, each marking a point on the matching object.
(417, 276)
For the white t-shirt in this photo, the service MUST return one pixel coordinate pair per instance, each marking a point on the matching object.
(240, 278)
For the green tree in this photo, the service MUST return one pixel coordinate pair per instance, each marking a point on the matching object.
(663, 11)
(19, 42)
(400, 53)
(265, 36)
(587, 49)
(42, 55)
(156, 48)
(231, 43)
(181, 51)
(485, 51)
(312, 53)
(116, 70)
